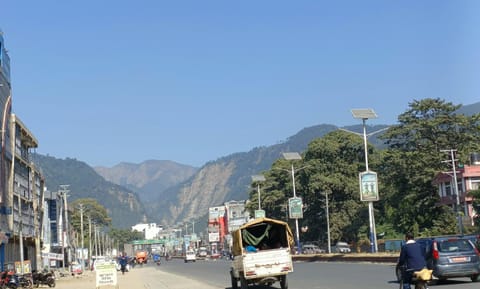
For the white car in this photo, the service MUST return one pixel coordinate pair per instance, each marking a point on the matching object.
(190, 256)
(342, 247)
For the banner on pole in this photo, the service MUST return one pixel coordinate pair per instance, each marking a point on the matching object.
(368, 186)
(295, 208)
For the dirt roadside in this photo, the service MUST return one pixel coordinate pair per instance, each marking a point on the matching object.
(146, 277)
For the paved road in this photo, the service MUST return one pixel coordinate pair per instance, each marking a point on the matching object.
(176, 274)
(311, 275)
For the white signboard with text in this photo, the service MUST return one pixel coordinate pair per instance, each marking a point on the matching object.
(106, 274)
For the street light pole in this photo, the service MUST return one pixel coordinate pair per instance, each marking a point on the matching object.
(328, 224)
(258, 179)
(294, 156)
(365, 114)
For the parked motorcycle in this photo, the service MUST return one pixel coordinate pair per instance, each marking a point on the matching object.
(11, 280)
(25, 281)
(43, 278)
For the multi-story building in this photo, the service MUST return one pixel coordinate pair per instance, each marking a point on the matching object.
(53, 233)
(151, 231)
(5, 150)
(223, 220)
(26, 198)
(468, 179)
(237, 215)
(216, 228)
(21, 183)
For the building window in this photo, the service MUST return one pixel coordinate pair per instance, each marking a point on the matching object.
(475, 183)
(448, 189)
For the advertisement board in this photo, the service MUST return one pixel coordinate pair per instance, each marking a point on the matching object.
(368, 186)
(213, 237)
(106, 274)
(295, 208)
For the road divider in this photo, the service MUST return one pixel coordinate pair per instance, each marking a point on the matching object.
(351, 257)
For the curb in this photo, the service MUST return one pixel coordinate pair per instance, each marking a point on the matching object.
(345, 258)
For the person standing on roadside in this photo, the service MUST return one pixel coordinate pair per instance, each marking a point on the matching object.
(412, 258)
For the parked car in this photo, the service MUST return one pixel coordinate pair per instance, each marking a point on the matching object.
(449, 257)
(311, 249)
(342, 247)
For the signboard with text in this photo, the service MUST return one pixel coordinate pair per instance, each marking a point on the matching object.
(213, 237)
(368, 186)
(106, 274)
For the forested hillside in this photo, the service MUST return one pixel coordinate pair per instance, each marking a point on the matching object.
(123, 205)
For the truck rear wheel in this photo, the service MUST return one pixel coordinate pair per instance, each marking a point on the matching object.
(284, 282)
(243, 282)
(234, 281)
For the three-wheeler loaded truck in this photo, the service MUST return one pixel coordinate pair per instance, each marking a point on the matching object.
(262, 253)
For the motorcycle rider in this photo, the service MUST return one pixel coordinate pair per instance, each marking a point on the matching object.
(412, 258)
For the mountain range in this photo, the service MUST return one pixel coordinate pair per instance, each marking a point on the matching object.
(168, 193)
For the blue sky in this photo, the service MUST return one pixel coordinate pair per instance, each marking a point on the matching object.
(190, 81)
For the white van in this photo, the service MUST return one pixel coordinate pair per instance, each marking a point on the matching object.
(190, 256)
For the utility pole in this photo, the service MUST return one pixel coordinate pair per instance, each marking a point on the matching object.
(89, 240)
(455, 187)
(328, 223)
(64, 191)
(20, 225)
(82, 257)
(62, 231)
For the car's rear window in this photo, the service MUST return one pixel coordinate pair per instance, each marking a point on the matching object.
(455, 245)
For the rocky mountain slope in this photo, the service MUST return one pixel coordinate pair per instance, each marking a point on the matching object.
(148, 178)
(228, 178)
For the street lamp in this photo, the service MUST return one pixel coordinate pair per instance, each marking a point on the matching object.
(290, 157)
(257, 179)
(364, 114)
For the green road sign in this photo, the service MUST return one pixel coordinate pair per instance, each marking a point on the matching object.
(259, 214)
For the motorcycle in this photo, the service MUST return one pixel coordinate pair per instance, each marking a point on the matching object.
(420, 279)
(156, 259)
(43, 278)
(25, 281)
(10, 280)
